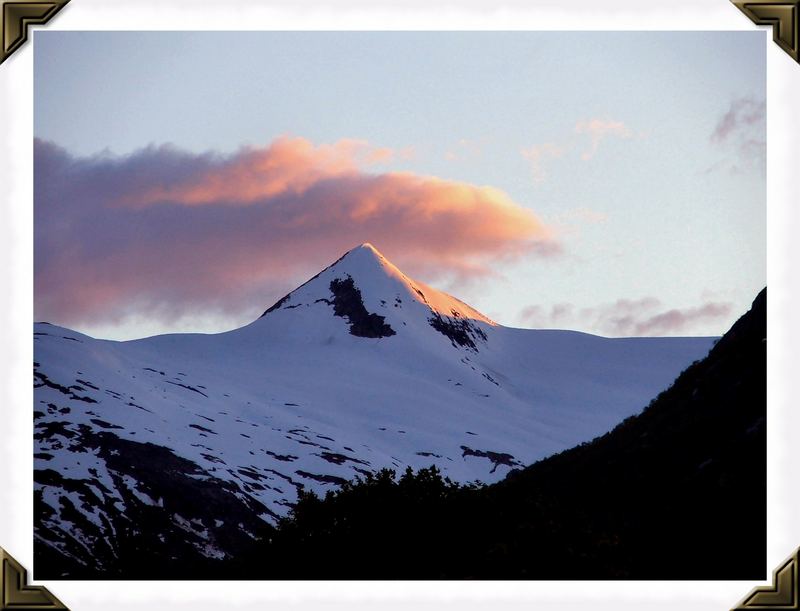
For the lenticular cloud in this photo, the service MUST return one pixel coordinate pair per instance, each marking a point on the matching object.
(163, 232)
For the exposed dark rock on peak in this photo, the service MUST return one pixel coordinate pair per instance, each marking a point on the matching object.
(277, 305)
(460, 331)
(347, 303)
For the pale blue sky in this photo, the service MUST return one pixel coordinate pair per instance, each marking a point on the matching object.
(659, 210)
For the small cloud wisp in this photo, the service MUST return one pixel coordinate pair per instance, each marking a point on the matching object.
(628, 317)
(740, 134)
(596, 130)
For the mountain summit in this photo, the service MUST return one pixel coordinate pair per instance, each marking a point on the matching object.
(188, 441)
(377, 300)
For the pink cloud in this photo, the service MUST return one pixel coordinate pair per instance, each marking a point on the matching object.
(598, 130)
(743, 112)
(673, 321)
(165, 233)
(628, 317)
(538, 316)
(288, 165)
(539, 153)
(381, 155)
(740, 134)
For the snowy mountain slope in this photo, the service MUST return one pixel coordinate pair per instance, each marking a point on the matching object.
(358, 369)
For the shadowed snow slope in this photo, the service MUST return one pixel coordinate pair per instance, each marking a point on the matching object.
(358, 369)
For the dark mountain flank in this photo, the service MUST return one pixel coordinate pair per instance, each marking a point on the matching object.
(676, 492)
(146, 542)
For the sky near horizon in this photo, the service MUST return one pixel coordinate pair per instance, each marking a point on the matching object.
(612, 183)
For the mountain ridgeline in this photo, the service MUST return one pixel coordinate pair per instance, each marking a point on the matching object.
(184, 455)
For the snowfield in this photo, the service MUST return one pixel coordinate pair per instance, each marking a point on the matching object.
(358, 369)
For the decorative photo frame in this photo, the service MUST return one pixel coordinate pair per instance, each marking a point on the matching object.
(781, 594)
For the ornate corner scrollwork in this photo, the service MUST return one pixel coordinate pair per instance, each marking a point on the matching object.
(782, 594)
(15, 593)
(17, 16)
(782, 15)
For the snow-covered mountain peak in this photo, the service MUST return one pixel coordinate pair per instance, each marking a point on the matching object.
(367, 265)
(366, 247)
(377, 299)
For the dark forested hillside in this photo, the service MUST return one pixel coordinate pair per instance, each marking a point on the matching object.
(676, 492)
